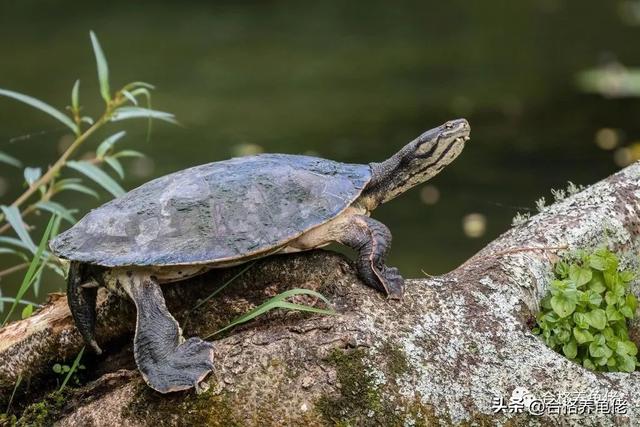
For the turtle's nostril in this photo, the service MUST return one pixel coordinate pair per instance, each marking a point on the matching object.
(448, 125)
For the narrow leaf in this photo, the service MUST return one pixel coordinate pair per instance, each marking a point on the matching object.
(125, 113)
(103, 68)
(134, 85)
(97, 175)
(278, 302)
(74, 184)
(42, 106)
(115, 165)
(128, 153)
(15, 220)
(75, 96)
(130, 97)
(57, 208)
(5, 158)
(36, 263)
(108, 143)
(76, 362)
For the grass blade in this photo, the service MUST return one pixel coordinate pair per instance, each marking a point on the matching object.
(224, 285)
(13, 393)
(42, 106)
(5, 158)
(108, 143)
(36, 263)
(97, 175)
(125, 113)
(12, 214)
(57, 208)
(76, 362)
(102, 66)
(278, 302)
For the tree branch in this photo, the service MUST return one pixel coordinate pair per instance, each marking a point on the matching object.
(439, 356)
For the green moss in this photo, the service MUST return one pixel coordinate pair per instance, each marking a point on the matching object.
(360, 401)
(184, 408)
(44, 412)
(397, 364)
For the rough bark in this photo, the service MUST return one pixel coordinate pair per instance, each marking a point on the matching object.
(439, 356)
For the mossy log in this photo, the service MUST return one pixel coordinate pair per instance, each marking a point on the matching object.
(437, 357)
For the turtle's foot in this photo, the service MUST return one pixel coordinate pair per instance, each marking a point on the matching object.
(393, 282)
(167, 362)
(184, 368)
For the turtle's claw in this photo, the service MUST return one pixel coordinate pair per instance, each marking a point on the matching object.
(394, 282)
(185, 367)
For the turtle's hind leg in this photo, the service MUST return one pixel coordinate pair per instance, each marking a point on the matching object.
(167, 362)
(82, 291)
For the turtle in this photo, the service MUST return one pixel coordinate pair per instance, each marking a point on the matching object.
(226, 213)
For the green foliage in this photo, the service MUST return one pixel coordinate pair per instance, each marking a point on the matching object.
(43, 187)
(584, 316)
(34, 268)
(68, 372)
(279, 301)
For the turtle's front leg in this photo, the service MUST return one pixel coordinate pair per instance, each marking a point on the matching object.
(167, 362)
(372, 240)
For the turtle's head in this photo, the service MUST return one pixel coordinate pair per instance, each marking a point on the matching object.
(418, 161)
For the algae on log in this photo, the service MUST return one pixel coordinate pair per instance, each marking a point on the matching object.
(438, 357)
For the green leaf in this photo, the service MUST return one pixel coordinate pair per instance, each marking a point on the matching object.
(562, 305)
(611, 278)
(631, 301)
(570, 349)
(580, 320)
(12, 214)
(626, 363)
(128, 153)
(73, 184)
(97, 175)
(34, 267)
(108, 143)
(627, 276)
(27, 311)
(278, 302)
(597, 283)
(57, 368)
(31, 175)
(627, 347)
(115, 165)
(42, 106)
(562, 269)
(103, 68)
(594, 298)
(125, 113)
(130, 97)
(57, 208)
(71, 370)
(579, 275)
(587, 363)
(75, 96)
(7, 159)
(582, 335)
(134, 85)
(626, 311)
(596, 318)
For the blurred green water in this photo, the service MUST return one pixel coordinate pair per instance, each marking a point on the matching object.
(351, 81)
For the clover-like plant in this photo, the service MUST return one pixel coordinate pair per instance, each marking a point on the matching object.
(584, 316)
